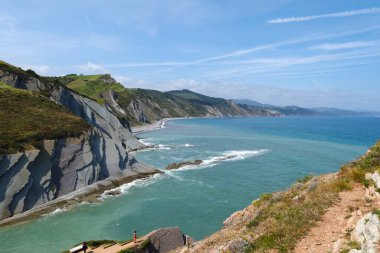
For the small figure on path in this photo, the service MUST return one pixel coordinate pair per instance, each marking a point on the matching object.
(84, 247)
(187, 242)
(134, 236)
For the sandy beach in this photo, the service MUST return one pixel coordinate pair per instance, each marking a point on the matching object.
(156, 125)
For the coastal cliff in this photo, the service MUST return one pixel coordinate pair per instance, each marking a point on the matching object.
(143, 106)
(50, 168)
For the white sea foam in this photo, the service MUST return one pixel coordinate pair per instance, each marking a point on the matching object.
(55, 212)
(233, 155)
(187, 145)
(147, 141)
(138, 183)
(212, 161)
(163, 147)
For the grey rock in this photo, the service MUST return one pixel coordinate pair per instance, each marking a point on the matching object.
(367, 233)
(312, 185)
(376, 179)
(167, 239)
(174, 166)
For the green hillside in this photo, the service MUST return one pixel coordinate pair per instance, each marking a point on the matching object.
(28, 117)
(196, 97)
(146, 106)
(91, 86)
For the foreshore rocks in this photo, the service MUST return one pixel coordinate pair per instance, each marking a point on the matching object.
(175, 166)
(89, 193)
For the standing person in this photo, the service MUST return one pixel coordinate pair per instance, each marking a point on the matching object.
(84, 247)
(134, 236)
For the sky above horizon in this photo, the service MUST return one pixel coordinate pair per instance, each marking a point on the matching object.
(315, 53)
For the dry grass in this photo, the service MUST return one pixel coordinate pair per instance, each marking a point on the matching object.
(282, 222)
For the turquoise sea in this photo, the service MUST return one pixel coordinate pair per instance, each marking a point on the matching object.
(243, 158)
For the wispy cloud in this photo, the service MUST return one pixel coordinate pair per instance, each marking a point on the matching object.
(346, 45)
(326, 15)
(243, 52)
(257, 66)
(91, 68)
(88, 23)
(39, 69)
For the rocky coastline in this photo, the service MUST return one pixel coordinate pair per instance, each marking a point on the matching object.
(88, 194)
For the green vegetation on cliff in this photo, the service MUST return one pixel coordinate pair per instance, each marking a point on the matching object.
(196, 97)
(92, 86)
(284, 218)
(28, 117)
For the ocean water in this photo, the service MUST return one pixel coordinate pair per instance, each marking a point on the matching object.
(243, 158)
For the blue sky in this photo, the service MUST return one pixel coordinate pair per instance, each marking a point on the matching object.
(284, 52)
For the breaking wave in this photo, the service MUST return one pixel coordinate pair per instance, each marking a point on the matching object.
(55, 212)
(124, 189)
(233, 155)
(187, 145)
(147, 141)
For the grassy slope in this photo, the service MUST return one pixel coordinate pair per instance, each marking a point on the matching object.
(163, 99)
(91, 86)
(196, 97)
(28, 117)
(281, 221)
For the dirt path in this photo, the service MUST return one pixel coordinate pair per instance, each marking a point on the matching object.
(332, 233)
(117, 247)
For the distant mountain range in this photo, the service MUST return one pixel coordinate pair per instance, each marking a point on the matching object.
(300, 111)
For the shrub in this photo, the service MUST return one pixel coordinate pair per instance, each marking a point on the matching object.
(305, 179)
(144, 244)
(354, 245)
(129, 250)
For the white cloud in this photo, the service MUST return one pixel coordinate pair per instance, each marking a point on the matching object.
(327, 15)
(42, 70)
(91, 68)
(346, 45)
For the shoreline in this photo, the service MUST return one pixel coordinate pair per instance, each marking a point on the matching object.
(158, 124)
(89, 194)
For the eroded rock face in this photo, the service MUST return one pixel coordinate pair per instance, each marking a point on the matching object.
(58, 168)
(167, 239)
(20, 81)
(65, 165)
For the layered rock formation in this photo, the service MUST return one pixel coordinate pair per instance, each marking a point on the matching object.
(175, 166)
(64, 165)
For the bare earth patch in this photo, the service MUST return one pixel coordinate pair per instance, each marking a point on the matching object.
(333, 232)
